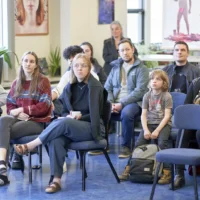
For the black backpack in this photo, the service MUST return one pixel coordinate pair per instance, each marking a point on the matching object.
(143, 163)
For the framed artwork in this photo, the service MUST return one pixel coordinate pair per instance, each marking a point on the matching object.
(181, 21)
(106, 11)
(31, 17)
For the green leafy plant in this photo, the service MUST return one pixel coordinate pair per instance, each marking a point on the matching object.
(151, 64)
(4, 52)
(54, 60)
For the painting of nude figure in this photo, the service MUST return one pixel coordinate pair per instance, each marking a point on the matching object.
(181, 21)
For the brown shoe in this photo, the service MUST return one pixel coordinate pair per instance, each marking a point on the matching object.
(53, 188)
(126, 173)
(165, 178)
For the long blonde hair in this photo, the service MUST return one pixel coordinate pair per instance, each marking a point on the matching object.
(22, 78)
(21, 14)
(73, 78)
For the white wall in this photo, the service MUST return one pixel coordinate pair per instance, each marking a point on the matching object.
(40, 44)
(72, 22)
(79, 23)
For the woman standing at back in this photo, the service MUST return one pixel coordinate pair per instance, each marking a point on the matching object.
(110, 49)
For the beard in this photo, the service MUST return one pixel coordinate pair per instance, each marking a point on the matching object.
(129, 60)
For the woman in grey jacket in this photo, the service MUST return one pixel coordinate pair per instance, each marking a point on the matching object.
(85, 94)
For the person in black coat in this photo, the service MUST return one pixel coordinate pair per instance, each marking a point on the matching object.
(84, 94)
(110, 48)
(96, 67)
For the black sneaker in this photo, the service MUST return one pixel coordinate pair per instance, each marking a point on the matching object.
(125, 152)
(17, 163)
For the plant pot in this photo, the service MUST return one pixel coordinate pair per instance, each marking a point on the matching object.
(58, 72)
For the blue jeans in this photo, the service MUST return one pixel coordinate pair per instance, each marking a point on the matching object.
(127, 116)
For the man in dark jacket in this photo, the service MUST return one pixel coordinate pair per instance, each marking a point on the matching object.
(181, 74)
(126, 85)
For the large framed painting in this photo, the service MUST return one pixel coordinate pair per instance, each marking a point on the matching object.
(181, 21)
(106, 11)
(31, 17)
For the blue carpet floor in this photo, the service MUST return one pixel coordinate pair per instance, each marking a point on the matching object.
(100, 184)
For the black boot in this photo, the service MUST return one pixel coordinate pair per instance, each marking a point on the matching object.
(179, 180)
(18, 162)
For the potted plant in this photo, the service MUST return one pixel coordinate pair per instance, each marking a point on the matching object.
(4, 56)
(54, 61)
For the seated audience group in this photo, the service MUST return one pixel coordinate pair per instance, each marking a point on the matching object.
(132, 92)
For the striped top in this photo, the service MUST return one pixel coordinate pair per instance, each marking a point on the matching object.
(37, 105)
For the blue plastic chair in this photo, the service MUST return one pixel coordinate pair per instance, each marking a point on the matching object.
(178, 100)
(185, 117)
(85, 146)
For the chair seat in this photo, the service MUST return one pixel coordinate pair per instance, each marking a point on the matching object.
(84, 145)
(179, 156)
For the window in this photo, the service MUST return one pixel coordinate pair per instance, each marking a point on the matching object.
(156, 21)
(1, 24)
(135, 20)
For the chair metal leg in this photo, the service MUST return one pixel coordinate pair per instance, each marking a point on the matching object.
(83, 171)
(77, 155)
(172, 176)
(30, 168)
(155, 181)
(119, 128)
(40, 155)
(111, 165)
(195, 182)
(81, 159)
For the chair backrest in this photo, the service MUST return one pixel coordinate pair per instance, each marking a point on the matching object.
(187, 117)
(178, 99)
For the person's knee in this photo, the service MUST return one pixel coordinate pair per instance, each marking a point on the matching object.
(130, 112)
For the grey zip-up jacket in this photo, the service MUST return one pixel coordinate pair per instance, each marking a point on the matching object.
(189, 71)
(137, 80)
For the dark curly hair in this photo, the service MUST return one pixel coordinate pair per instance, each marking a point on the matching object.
(71, 51)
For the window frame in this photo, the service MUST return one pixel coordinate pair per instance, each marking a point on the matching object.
(142, 12)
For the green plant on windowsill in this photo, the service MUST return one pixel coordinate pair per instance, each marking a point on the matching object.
(151, 64)
(4, 52)
(54, 60)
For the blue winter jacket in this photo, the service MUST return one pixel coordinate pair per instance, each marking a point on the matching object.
(137, 79)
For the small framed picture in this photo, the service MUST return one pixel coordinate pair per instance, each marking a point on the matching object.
(31, 17)
(106, 11)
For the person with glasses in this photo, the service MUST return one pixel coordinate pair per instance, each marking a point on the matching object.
(126, 85)
(28, 108)
(83, 93)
